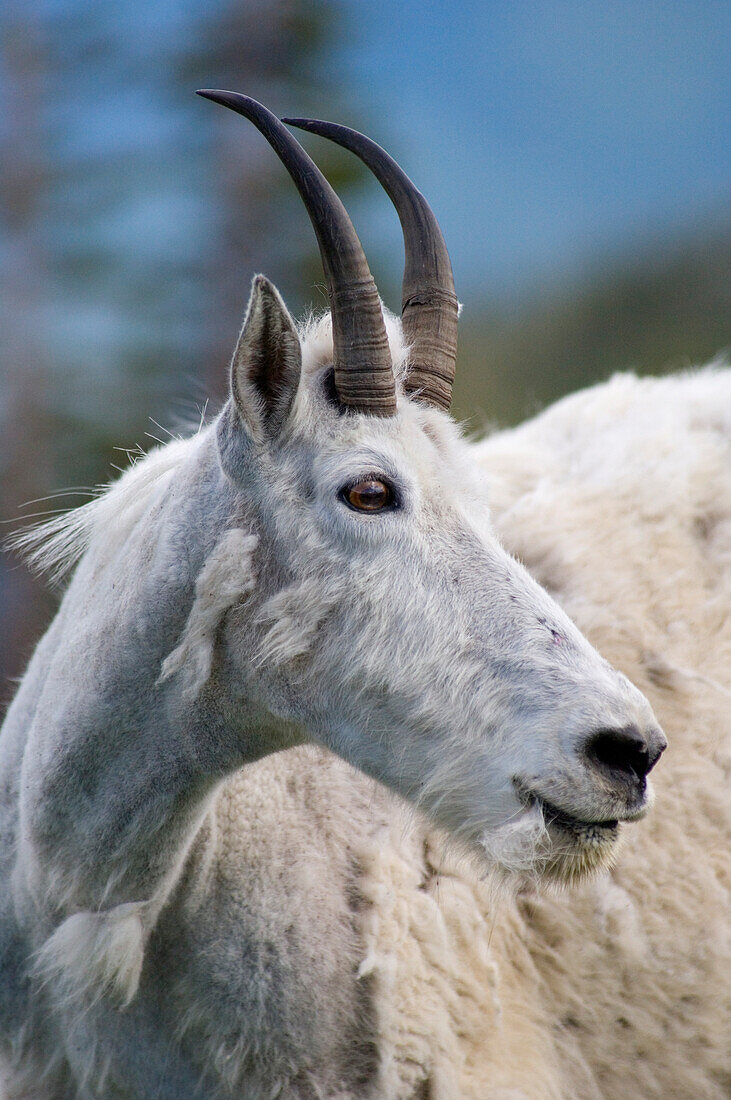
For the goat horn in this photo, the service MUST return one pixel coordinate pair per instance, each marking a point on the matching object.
(429, 306)
(361, 356)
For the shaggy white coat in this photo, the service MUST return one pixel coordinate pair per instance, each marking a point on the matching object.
(394, 967)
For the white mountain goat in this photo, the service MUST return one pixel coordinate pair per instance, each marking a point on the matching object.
(187, 910)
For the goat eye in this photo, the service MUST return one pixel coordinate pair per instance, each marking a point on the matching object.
(369, 495)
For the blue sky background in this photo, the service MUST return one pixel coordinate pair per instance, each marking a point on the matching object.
(554, 140)
(548, 136)
(551, 138)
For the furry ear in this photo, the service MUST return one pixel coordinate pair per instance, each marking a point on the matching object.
(267, 363)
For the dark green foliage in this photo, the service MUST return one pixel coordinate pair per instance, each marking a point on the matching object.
(667, 307)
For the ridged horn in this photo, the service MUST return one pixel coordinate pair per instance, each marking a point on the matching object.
(361, 357)
(429, 304)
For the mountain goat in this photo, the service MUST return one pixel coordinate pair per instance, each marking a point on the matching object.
(287, 782)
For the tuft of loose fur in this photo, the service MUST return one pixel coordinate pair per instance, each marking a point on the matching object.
(94, 955)
(226, 577)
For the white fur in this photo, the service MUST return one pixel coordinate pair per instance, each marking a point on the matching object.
(226, 577)
(92, 955)
(297, 915)
(54, 546)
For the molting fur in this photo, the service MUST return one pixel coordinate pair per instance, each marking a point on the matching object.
(286, 783)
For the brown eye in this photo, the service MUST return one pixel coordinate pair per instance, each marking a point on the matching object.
(369, 495)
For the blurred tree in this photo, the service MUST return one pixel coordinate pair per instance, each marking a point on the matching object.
(278, 53)
(132, 217)
(26, 420)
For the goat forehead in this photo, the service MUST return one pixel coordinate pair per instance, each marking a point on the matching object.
(413, 445)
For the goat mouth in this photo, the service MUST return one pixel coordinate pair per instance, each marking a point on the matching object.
(557, 818)
(562, 821)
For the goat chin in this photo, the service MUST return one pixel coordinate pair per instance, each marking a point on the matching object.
(527, 848)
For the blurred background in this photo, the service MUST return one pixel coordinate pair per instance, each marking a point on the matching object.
(575, 152)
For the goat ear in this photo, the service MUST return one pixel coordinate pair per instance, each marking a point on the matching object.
(267, 362)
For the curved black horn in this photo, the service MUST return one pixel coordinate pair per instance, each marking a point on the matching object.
(362, 359)
(429, 304)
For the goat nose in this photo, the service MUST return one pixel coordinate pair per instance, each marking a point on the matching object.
(626, 753)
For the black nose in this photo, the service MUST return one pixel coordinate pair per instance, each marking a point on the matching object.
(626, 753)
